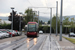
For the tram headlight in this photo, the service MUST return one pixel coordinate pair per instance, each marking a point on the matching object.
(27, 32)
(34, 32)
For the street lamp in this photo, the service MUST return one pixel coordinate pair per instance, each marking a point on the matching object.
(20, 22)
(12, 18)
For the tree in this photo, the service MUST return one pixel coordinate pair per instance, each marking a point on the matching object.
(54, 23)
(48, 22)
(30, 15)
(16, 21)
(5, 26)
(45, 28)
(72, 24)
(66, 23)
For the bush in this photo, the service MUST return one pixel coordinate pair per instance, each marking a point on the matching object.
(5, 26)
(45, 29)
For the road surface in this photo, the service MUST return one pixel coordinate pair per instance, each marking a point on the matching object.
(43, 42)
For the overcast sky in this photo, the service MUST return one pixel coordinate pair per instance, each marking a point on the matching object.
(22, 5)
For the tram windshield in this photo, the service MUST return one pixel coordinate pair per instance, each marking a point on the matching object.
(31, 27)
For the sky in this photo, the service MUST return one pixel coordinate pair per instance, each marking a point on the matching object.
(22, 5)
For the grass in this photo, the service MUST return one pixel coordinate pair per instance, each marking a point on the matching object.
(70, 39)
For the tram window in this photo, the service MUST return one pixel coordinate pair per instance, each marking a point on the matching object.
(31, 27)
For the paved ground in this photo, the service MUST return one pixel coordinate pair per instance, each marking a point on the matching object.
(12, 38)
(65, 44)
(7, 41)
(43, 42)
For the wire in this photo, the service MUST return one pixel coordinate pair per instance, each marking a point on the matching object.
(29, 3)
(45, 12)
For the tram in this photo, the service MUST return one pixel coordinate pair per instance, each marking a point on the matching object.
(32, 29)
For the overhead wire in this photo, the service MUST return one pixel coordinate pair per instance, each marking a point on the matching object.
(45, 12)
(32, 5)
(29, 2)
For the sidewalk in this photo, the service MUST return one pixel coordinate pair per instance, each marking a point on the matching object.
(50, 44)
(65, 44)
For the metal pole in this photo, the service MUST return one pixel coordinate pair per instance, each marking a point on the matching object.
(20, 24)
(50, 20)
(56, 17)
(33, 16)
(38, 18)
(29, 14)
(61, 21)
(12, 20)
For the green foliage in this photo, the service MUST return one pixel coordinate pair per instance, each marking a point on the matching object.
(45, 28)
(30, 15)
(66, 21)
(16, 21)
(48, 22)
(54, 23)
(5, 26)
(70, 39)
(72, 22)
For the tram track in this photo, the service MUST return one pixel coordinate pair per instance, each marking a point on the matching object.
(41, 47)
(31, 44)
(23, 42)
(13, 44)
(40, 44)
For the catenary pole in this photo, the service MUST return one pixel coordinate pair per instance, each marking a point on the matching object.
(56, 17)
(38, 18)
(61, 20)
(50, 19)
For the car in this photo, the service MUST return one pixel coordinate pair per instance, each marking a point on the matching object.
(6, 30)
(71, 34)
(18, 33)
(10, 33)
(1, 35)
(5, 33)
(41, 31)
(14, 33)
